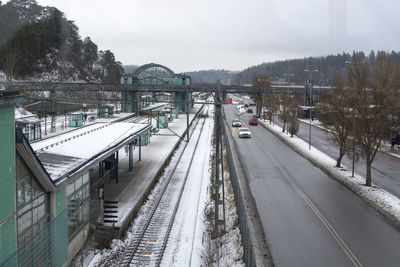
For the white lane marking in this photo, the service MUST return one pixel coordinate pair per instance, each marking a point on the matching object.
(325, 222)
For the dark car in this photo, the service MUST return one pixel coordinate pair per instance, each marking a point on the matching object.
(249, 110)
(236, 123)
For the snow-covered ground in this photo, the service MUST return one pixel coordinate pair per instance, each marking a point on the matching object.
(383, 201)
(190, 242)
(185, 246)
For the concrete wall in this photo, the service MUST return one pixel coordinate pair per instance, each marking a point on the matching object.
(7, 183)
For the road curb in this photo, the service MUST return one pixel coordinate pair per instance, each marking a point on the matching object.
(382, 207)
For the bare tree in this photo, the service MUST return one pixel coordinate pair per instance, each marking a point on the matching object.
(293, 112)
(9, 63)
(264, 85)
(335, 115)
(284, 112)
(372, 106)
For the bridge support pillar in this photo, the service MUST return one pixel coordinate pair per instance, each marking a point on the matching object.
(140, 148)
(130, 151)
(131, 101)
(116, 166)
(180, 98)
(224, 96)
(100, 190)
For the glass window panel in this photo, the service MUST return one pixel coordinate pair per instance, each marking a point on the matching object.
(79, 220)
(24, 209)
(28, 235)
(42, 211)
(71, 226)
(28, 191)
(71, 206)
(78, 183)
(86, 212)
(38, 200)
(36, 190)
(79, 199)
(86, 178)
(42, 198)
(36, 229)
(20, 194)
(39, 213)
(24, 221)
(35, 202)
(70, 189)
(35, 215)
(85, 192)
(21, 170)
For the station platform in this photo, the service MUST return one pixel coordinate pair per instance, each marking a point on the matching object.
(134, 186)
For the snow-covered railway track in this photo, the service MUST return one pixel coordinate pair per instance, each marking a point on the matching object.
(151, 235)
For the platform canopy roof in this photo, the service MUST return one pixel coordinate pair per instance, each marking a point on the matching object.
(75, 152)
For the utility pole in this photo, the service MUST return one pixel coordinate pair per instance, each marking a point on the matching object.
(219, 219)
(310, 101)
(187, 107)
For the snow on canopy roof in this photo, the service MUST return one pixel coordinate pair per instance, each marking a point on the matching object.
(64, 154)
(28, 120)
(21, 112)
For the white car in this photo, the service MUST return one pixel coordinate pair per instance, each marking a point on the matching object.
(236, 123)
(244, 132)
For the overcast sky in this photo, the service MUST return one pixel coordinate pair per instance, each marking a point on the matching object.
(232, 34)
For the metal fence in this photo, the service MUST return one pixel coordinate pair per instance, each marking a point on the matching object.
(247, 240)
(40, 248)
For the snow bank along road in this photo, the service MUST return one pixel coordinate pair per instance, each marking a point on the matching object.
(147, 239)
(310, 219)
(385, 168)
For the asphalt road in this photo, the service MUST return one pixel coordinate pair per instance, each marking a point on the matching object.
(309, 218)
(385, 168)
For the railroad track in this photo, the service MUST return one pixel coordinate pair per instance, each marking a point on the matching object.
(150, 236)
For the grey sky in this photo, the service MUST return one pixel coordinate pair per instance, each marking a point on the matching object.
(232, 34)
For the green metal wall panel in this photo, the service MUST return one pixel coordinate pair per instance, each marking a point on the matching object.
(178, 81)
(7, 243)
(61, 230)
(7, 168)
(60, 201)
(7, 191)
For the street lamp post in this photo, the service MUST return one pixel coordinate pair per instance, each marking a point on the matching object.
(265, 80)
(273, 106)
(310, 100)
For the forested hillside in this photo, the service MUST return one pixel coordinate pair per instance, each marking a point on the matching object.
(293, 70)
(41, 43)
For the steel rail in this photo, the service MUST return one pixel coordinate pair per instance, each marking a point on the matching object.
(155, 206)
(146, 227)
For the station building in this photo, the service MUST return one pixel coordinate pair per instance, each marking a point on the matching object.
(45, 187)
(153, 74)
